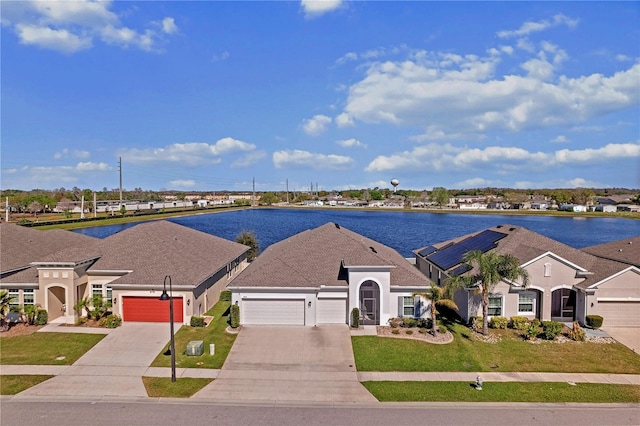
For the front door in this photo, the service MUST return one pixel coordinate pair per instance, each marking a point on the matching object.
(370, 303)
(563, 304)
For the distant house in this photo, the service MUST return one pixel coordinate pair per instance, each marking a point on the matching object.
(628, 208)
(57, 268)
(320, 275)
(576, 208)
(566, 284)
(605, 208)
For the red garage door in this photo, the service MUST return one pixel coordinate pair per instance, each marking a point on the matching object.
(150, 309)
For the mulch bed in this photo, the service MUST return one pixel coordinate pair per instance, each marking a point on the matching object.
(20, 329)
(439, 338)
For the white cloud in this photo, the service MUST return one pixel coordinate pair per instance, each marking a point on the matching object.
(72, 26)
(533, 27)
(221, 57)
(316, 125)
(299, 158)
(501, 159)
(65, 153)
(56, 176)
(190, 153)
(560, 139)
(344, 120)
(182, 183)
(315, 8)
(92, 167)
(351, 143)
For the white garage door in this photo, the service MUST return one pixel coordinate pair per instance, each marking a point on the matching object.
(272, 311)
(619, 314)
(332, 311)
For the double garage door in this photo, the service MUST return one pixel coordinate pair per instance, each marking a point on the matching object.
(619, 314)
(292, 312)
(150, 309)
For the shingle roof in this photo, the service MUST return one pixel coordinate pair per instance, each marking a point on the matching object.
(527, 245)
(626, 250)
(20, 245)
(315, 257)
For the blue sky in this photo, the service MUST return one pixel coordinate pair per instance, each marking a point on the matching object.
(209, 95)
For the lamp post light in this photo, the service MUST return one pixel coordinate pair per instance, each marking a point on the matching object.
(165, 296)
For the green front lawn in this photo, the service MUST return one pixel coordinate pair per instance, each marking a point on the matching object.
(163, 387)
(510, 354)
(12, 384)
(215, 333)
(46, 348)
(503, 392)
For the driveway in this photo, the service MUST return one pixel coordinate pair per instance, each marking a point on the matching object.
(628, 336)
(289, 364)
(113, 367)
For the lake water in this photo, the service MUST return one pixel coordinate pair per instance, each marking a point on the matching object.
(403, 231)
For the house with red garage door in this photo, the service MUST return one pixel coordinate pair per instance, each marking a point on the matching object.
(56, 268)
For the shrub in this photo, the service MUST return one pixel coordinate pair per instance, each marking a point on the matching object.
(225, 296)
(519, 323)
(498, 322)
(234, 317)
(551, 329)
(42, 317)
(476, 323)
(395, 322)
(409, 331)
(81, 321)
(442, 329)
(594, 321)
(110, 321)
(422, 330)
(536, 322)
(197, 322)
(532, 331)
(395, 331)
(578, 334)
(355, 318)
(410, 322)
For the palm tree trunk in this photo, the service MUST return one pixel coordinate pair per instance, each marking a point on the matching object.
(485, 314)
(434, 330)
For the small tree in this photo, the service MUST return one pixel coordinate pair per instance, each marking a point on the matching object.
(234, 316)
(248, 238)
(439, 297)
(440, 196)
(5, 299)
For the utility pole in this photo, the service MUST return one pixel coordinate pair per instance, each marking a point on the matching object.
(120, 170)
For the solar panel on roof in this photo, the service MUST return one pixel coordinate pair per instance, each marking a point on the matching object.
(452, 255)
(427, 251)
(461, 270)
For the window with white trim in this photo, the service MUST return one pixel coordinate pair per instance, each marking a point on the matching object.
(526, 302)
(408, 306)
(109, 293)
(96, 290)
(28, 297)
(14, 298)
(495, 305)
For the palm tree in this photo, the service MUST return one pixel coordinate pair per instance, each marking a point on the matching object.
(488, 269)
(5, 299)
(439, 297)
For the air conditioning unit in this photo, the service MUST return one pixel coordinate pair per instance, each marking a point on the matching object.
(195, 348)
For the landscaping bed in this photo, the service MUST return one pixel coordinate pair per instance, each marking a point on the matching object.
(415, 333)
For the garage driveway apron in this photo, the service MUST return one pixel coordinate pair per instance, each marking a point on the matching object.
(113, 367)
(285, 364)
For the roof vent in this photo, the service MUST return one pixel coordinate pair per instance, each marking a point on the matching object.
(372, 249)
(337, 226)
(512, 229)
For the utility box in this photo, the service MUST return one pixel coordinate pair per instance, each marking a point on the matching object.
(212, 349)
(195, 348)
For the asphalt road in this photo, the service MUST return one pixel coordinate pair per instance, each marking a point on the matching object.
(52, 412)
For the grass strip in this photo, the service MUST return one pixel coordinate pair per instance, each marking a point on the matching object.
(163, 387)
(214, 333)
(503, 392)
(511, 353)
(46, 348)
(14, 384)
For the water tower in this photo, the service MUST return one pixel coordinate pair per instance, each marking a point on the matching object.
(395, 183)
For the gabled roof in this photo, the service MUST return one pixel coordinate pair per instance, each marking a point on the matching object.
(319, 257)
(20, 245)
(626, 250)
(526, 246)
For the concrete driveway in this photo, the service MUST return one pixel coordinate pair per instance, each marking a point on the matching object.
(113, 367)
(628, 336)
(289, 364)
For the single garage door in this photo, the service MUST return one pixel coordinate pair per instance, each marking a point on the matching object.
(332, 311)
(619, 314)
(272, 311)
(150, 309)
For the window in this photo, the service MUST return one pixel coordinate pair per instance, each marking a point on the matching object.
(96, 290)
(495, 305)
(109, 293)
(28, 297)
(408, 305)
(14, 300)
(526, 303)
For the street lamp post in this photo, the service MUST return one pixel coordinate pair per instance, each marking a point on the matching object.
(168, 297)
